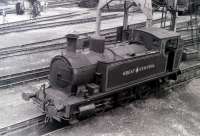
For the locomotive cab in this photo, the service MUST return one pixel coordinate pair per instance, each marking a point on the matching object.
(160, 58)
(172, 49)
(170, 46)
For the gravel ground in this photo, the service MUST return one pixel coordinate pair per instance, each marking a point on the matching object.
(177, 114)
(13, 109)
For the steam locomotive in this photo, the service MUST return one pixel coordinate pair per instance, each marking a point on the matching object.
(85, 80)
(188, 6)
(183, 6)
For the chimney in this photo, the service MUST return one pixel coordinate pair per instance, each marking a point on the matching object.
(97, 44)
(72, 42)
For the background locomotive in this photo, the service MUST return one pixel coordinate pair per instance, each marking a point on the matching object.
(183, 6)
(84, 81)
(187, 6)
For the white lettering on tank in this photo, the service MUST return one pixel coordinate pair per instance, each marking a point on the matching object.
(138, 69)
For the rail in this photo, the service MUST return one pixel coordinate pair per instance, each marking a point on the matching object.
(22, 28)
(23, 77)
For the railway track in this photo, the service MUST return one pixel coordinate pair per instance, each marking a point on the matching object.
(69, 3)
(22, 125)
(22, 28)
(59, 43)
(191, 42)
(38, 20)
(54, 44)
(20, 78)
(187, 75)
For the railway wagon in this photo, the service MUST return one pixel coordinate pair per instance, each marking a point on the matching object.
(83, 82)
(185, 6)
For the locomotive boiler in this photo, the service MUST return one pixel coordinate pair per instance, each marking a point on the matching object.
(84, 81)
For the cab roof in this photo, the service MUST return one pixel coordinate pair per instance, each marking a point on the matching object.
(160, 33)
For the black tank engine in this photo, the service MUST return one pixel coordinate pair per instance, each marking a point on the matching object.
(83, 81)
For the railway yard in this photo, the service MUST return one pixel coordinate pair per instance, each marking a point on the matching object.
(27, 47)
